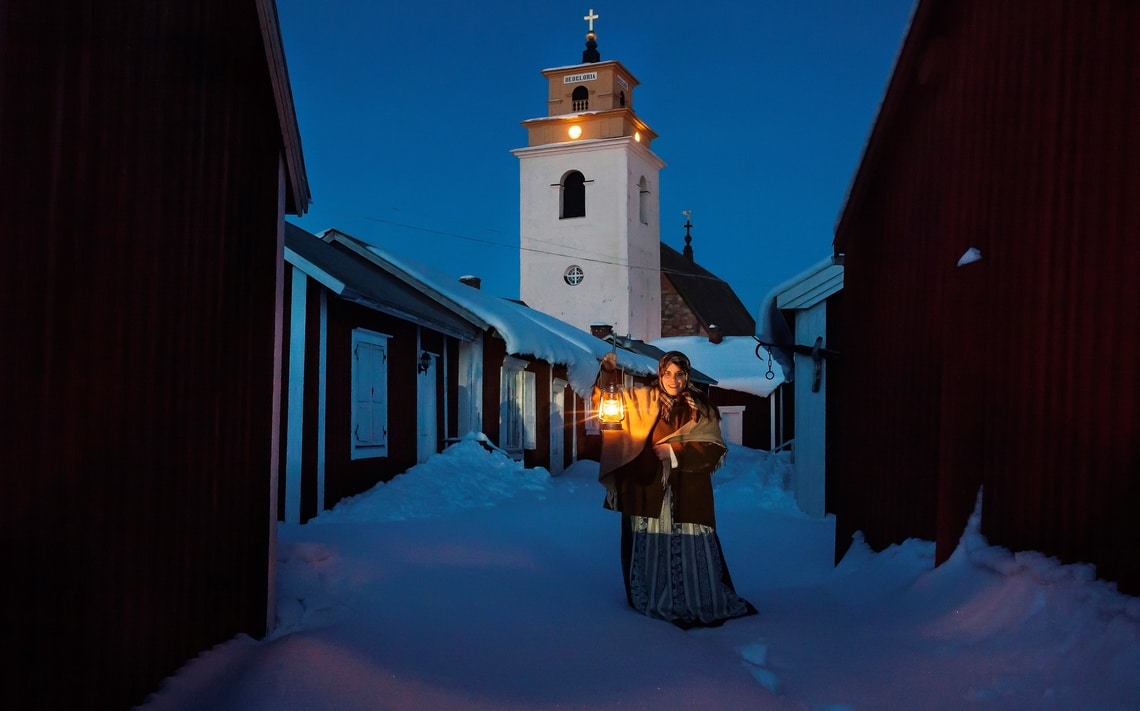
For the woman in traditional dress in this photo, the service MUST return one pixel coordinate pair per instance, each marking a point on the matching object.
(657, 472)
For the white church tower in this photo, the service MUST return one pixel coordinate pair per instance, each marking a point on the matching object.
(588, 204)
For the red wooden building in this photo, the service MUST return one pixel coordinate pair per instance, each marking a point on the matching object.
(149, 151)
(369, 364)
(1013, 130)
(388, 362)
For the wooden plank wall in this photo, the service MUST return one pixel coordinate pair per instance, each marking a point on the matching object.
(141, 154)
(1010, 127)
(345, 476)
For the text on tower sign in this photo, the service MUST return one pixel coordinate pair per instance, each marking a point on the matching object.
(575, 78)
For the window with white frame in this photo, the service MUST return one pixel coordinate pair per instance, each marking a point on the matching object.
(517, 419)
(369, 431)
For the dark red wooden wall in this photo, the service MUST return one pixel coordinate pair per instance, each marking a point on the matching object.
(1012, 128)
(140, 148)
(343, 475)
(494, 352)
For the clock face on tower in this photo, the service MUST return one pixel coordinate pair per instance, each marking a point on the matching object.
(573, 275)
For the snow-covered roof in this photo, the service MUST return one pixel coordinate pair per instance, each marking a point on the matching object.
(356, 278)
(811, 286)
(524, 330)
(733, 362)
(568, 117)
(802, 291)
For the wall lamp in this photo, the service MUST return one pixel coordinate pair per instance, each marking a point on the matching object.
(425, 362)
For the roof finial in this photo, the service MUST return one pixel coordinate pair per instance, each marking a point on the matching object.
(590, 54)
(688, 251)
(590, 19)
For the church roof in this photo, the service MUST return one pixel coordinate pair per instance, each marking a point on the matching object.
(709, 297)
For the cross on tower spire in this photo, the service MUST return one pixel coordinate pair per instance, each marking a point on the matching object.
(590, 54)
(590, 19)
(688, 251)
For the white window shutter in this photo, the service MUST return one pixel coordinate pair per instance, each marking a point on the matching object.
(530, 418)
(369, 394)
(361, 393)
(379, 399)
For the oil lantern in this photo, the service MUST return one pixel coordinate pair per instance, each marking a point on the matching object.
(612, 409)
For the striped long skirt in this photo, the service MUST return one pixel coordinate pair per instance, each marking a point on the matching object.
(677, 572)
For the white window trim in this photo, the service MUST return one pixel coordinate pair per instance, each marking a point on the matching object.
(732, 423)
(517, 399)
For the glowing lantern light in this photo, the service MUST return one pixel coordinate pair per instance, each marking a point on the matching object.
(612, 409)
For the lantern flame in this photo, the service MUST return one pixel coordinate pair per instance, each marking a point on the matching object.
(612, 410)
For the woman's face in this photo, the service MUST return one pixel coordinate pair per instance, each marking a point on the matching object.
(674, 380)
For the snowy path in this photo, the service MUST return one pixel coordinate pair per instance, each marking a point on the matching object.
(510, 597)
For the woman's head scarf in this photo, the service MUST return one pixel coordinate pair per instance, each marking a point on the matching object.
(668, 402)
(676, 358)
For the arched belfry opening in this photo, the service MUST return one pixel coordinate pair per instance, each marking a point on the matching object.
(573, 195)
(580, 98)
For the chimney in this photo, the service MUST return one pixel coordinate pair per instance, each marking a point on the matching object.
(714, 334)
(601, 330)
(472, 281)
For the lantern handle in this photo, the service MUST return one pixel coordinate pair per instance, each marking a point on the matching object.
(613, 349)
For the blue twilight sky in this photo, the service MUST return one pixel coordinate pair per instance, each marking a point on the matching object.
(408, 113)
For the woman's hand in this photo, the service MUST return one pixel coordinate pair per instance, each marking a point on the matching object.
(668, 463)
(609, 362)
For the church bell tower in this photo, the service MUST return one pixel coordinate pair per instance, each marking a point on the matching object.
(588, 201)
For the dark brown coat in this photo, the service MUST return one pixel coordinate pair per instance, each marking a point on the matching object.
(633, 474)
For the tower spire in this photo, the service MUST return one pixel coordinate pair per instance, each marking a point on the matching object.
(610, 264)
(590, 54)
(688, 251)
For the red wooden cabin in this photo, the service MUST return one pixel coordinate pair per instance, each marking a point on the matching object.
(149, 151)
(1009, 128)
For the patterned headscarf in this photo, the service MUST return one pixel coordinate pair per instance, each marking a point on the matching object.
(680, 360)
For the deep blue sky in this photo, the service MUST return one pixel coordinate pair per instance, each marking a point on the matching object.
(408, 113)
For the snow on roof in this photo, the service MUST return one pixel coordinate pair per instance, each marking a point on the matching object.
(733, 362)
(801, 291)
(568, 117)
(525, 330)
(826, 268)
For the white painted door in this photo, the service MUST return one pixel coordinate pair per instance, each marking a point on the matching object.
(426, 434)
(809, 453)
(732, 423)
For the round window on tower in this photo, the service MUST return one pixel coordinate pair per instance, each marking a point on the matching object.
(574, 275)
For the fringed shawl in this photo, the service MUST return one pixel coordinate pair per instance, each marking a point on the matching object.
(642, 408)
